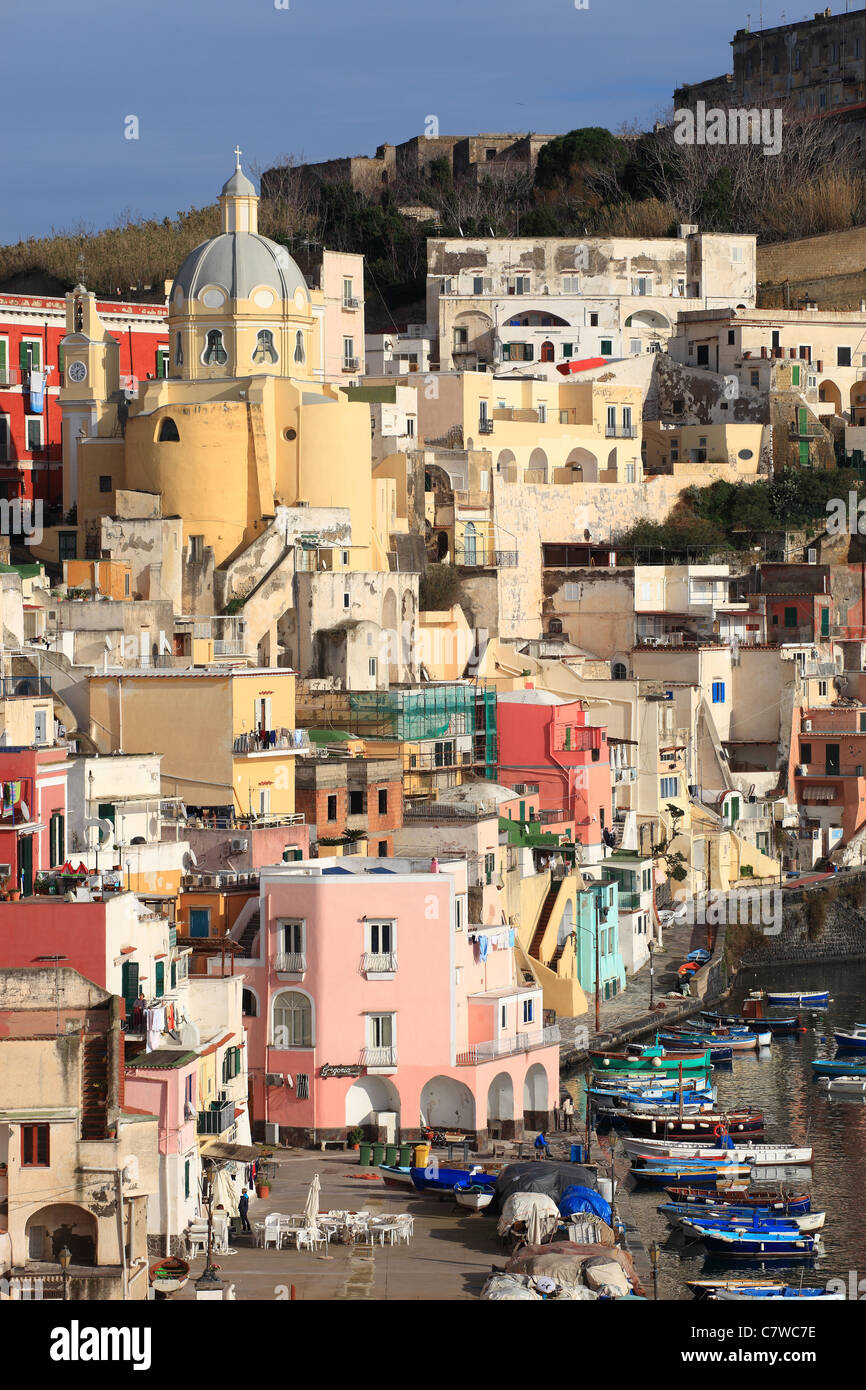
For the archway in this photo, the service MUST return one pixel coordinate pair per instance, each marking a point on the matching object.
(858, 403)
(368, 1097)
(500, 1107)
(829, 394)
(538, 465)
(441, 545)
(505, 465)
(583, 465)
(52, 1227)
(535, 1097)
(250, 1003)
(447, 1104)
(547, 351)
(470, 549)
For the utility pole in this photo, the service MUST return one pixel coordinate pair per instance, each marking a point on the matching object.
(597, 995)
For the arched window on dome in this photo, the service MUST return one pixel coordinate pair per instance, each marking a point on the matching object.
(168, 431)
(300, 355)
(264, 350)
(214, 354)
(178, 350)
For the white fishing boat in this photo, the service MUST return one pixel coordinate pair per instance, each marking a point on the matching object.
(843, 1085)
(756, 1155)
(475, 1199)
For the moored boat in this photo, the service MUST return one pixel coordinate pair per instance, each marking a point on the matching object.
(838, 1068)
(670, 1123)
(395, 1176)
(755, 1155)
(798, 998)
(851, 1041)
(474, 1198)
(650, 1060)
(786, 1204)
(763, 1241)
(844, 1085)
(169, 1274)
(435, 1179)
(723, 1214)
(736, 1289)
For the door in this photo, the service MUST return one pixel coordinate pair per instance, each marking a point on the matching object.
(469, 544)
(832, 756)
(40, 726)
(735, 810)
(263, 713)
(25, 865)
(129, 984)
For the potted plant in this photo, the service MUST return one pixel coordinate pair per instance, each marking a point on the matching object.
(263, 1188)
(355, 1136)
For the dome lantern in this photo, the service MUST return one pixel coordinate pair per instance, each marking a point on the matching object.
(239, 203)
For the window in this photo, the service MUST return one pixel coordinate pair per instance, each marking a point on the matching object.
(593, 320)
(528, 1010)
(566, 352)
(737, 254)
(249, 1004)
(332, 807)
(670, 786)
(542, 413)
(349, 359)
(503, 1016)
(790, 617)
(293, 1019)
(356, 803)
(755, 378)
(34, 433)
(381, 938)
(35, 1146)
(300, 355)
(159, 984)
(4, 434)
(186, 1177)
(214, 354)
(380, 1030)
(732, 337)
(57, 838)
(571, 284)
(571, 593)
(264, 350)
(67, 543)
(178, 350)
(232, 1065)
(611, 417)
(606, 347)
(196, 549)
(718, 692)
(489, 867)
(843, 357)
(795, 376)
(162, 361)
(348, 293)
(383, 801)
(30, 355)
(346, 599)
(822, 688)
(629, 473)
(642, 284)
(104, 483)
(168, 431)
(555, 626)
(519, 285)
(371, 666)
(626, 419)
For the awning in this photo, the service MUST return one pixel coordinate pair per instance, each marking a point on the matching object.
(230, 1153)
(819, 793)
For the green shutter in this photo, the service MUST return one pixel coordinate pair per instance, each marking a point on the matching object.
(60, 357)
(802, 419)
(529, 352)
(795, 376)
(160, 979)
(2, 354)
(803, 450)
(23, 357)
(825, 622)
(129, 984)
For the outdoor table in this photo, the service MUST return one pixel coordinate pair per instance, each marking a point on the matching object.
(453, 1144)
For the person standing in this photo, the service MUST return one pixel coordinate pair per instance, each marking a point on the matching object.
(567, 1113)
(243, 1210)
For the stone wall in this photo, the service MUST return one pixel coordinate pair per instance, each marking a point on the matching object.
(804, 937)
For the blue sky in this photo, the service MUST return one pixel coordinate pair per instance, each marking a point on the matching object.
(319, 79)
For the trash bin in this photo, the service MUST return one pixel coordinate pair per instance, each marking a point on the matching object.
(378, 1154)
(391, 1154)
(578, 1153)
(365, 1154)
(405, 1158)
(422, 1155)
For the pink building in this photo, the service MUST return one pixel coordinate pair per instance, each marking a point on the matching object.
(33, 813)
(372, 1004)
(546, 740)
(164, 1083)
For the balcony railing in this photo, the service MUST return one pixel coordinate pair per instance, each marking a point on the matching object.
(271, 740)
(351, 364)
(31, 687)
(378, 1056)
(351, 301)
(291, 963)
(485, 426)
(8, 376)
(233, 648)
(624, 774)
(218, 1119)
(508, 1045)
(620, 431)
(379, 962)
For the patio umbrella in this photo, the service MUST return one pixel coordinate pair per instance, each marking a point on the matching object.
(311, 1207)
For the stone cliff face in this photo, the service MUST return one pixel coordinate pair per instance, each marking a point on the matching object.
(819, 924)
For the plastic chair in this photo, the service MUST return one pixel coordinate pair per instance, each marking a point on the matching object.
(271, 1234)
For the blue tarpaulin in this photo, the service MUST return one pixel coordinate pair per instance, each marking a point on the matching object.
(584, 1199)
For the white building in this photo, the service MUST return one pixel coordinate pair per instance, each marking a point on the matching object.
(408, 349)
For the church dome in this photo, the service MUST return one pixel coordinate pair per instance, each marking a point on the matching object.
(240, 262)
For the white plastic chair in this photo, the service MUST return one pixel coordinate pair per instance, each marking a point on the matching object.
(314, 1240)
(271, 1234)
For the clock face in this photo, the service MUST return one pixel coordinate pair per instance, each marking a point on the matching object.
(77, 371)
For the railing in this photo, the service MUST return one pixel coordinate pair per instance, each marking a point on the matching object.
(378, 1056)
(351, 364)
(442, 810)
(485, 426)
(620, 431)
(291, 963)
(379, 962)
(506, 1046)
(552, 814)
(8, 376)
(629, 902)
(217, 1120)
(505, 559)
(351, 302)
(624, 774)
(271, 740)
(222, 648)
(812, 431)
(24, 686)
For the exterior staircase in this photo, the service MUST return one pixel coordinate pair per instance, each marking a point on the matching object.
(250, 933)
(543, 919)
(94, 1086)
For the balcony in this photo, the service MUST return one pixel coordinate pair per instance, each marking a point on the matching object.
(624, 774)
(351, 364)
(485, 426)
(629, 902)
(620, 431)
(508, 1045)
(8, 376)
(812, 431)
(24, 687)
(272, 741)
(383, 963)
(291, 963)
(351, 301)
(218, 1119)
(378, 1056)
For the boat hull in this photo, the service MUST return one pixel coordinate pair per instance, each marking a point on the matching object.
(843, 1085)
(767, 1245)
(670, 1062)
(681, 1174)
(850, 1042)
(799, 999)
(838, 1068)
(756, 1155)
(446, 1179)
(394, 1176)
(667, 1125)
(473, 1201)
(724, 1214)
(791, 1205)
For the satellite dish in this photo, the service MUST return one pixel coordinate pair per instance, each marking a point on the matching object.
(189, 860)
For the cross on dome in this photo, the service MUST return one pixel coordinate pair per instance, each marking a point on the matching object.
(238, 153)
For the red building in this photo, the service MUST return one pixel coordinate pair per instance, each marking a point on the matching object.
(31, 327)
(33, 814)
(352, 798)
(546, 740)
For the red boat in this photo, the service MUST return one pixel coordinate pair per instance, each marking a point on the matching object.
(668, 1124)
(582, 364)
(779, 1203)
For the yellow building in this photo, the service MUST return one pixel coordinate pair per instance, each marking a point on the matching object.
(227, 738)
(242, 423)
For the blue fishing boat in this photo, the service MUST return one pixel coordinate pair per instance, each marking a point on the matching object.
(702, 957)
(692, 1175)
(736, 1294)
(718, 1052)
(798, 999)
(838, 1068)
(722, 1214)
(851, 1042)
(435, 1179)
(777, 1026)
(782, 1203)
(763, 1241)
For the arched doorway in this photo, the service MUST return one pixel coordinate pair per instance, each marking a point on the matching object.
(470, 544)
(583, 465)
(500, 1107)
(51, 1228)
(441, 545)
(447, 1104)
(250, 1004)
(535, 1098)
(829, 394)
(505, 465)
(547, 351)
(538, 465)
(369, 1097)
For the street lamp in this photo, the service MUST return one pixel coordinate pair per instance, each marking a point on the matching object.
(64, 1257)
(654, 1261)
(651, 948)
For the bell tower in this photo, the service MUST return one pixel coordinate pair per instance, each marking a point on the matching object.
(239, 203)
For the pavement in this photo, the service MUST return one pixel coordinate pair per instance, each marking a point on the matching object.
(448, 1258)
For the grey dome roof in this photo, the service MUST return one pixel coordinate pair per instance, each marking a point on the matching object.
(239, 261)
(238, 185)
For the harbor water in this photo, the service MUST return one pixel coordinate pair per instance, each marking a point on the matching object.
(779, 1081)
